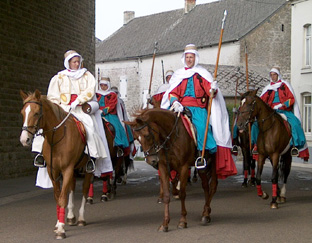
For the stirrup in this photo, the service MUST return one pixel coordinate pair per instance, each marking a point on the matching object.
(199, 165)
(294, 152)
(90, 166)
(234, 149)
(120, 152)
(39, 161)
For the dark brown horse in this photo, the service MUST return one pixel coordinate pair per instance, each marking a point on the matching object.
(273, 141)
(167, 146)
(63, 150)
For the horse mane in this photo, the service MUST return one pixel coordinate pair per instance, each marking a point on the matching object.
(144, 114)
(56, 109)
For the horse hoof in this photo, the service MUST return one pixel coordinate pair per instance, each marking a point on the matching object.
(265, 196)
(60, 236)
(274, 205)
(182, 225)
(71, 222)
(252, 182)
(82, 223)
(123, 182)
(163, 228)
(159, 200)
(205, 220)
(104, 198)
(244, 184)
(89, 200)
(176, 197)
(282, 199)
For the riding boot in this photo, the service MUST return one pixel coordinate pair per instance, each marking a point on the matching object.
(120, 152)
(90, 166)
(294, 152)
(39, 161)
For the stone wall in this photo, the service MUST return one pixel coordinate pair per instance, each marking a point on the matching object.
(270, 44)
(34, 38)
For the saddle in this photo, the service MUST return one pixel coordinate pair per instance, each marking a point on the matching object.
(190, 128)
(286, 123)
(81, 130)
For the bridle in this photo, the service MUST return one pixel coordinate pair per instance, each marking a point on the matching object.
(155, 147)
(250, 119)
(26, 128)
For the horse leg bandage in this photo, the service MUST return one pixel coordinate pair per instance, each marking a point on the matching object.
(259, 190)
(91, 191)
(62, 215)
(274, 190)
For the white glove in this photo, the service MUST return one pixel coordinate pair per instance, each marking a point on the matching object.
(148, 96)
(177, 107)
(276, 107)
(214, 86)
(74, 104)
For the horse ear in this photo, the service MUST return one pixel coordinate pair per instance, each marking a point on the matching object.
(37, 94)
(23, 94)
(130, 123)
(254, 92)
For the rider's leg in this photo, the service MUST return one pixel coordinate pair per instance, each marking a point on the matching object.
(37, 149)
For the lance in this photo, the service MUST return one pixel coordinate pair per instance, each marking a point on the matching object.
(202, 159)
(99, 75)
(163, 72)
(247, 86)
(234, 109)
(154, 55)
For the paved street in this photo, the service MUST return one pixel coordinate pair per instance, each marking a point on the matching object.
(238, 215)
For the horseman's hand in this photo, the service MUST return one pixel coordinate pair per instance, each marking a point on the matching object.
(214, 87)
(74, 104)
(148, 96)
(276, 107)
(177, 107)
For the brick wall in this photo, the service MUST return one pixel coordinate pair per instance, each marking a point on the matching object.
(270, 44)
(34, 37)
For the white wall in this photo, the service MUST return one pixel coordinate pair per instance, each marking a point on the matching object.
(301, 78)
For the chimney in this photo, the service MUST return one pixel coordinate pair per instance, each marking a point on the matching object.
(189, 5)
(128, 16)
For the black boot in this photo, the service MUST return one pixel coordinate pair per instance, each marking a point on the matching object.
(39, 161)
(120, 152)
(90, 166)
(234, 149)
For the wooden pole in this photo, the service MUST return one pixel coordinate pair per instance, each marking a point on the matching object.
(212, 91)
(247, 86)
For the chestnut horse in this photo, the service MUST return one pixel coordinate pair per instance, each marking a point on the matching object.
(63, 150)
(168, 146)
(273, 142)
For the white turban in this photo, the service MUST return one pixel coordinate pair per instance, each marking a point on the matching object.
(190, 48)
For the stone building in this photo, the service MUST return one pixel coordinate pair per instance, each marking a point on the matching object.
(34, 38)
(263, 26)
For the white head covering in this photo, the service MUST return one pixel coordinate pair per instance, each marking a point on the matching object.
(277, 71)
(190, 48)
(104, 80)
(75, 74)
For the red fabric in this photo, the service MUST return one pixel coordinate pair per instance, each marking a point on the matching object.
(62, 215)
(110, 102)
(110, 174)
(245, 174)
(105, 187)
(82, 135)
(225, 164)
(186, 124)
(200, 90)
(57, 212)
(173, 174)
(284, 94)
(274, 190)
(91, 192)
(126, 151)
(73, 97)
(158, 97)
(259, 190)
(252, 173)
(304, 154)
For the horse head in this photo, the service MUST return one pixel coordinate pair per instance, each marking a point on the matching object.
(148, 134)
(32, 114)
(246, 111)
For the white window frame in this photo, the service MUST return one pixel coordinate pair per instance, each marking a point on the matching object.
(307, 46)
(307, 114)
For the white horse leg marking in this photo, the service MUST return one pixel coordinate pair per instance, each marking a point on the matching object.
(283, 191)
(82, 209)
(24, 134)
(70, 205)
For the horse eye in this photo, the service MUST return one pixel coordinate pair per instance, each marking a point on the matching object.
(36, 114)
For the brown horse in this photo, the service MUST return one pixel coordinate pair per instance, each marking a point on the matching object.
(167, 146)
(273, 141)
(63, 150)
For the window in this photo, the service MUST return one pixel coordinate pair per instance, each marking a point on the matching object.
(307, 113)
(307, 45)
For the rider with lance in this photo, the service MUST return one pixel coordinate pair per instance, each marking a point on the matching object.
(70, 89)
(190, 87)
(279, 95)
